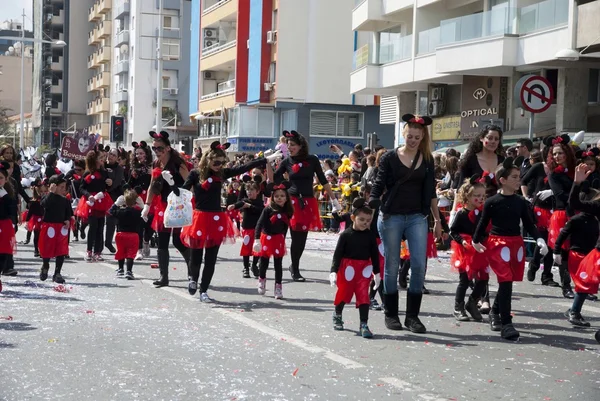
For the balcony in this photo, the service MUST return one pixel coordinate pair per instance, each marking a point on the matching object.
(90, 84)
(90, 108)
(57, 88)
(104, 30)
(102, 80)
(104, 6)
(101, 105)
(121, 9)
(102, 56)
(56, 107)
(93, 38)
(122, 67)
(93, 13)
(90, 60)
(169, 4)
(220, 57)
(168, 93)
(219, 11)
(169, 33)
(58, 19)
(103, 129)
(588, 16)
(121, 38)
(223, 97)
(545, 15)
(57, 65)
(121, 96)
(376, 15)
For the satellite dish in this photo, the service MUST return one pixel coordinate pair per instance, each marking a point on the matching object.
(124, 49)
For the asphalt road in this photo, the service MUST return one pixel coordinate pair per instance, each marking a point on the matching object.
(106, 338)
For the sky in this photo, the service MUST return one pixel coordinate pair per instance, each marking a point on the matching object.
(12, 9)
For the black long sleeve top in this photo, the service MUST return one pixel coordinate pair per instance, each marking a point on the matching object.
(265, 225)
(129, 219)
(470, 167)
(34, 208)
(359, 245)
(57, 208)
(8, 208)
(535, 180)
(462, 224)
(139, 178)
(50, 171)
(561, 184)
(117, 175)
(389, 172)
(301, 173)
(208, 194)
(173, 166)
(591, 207)
(505, 212)
(250, 215)
(74, 183)
(342, 218)
(583, 229)
(232, 197)
(93, 185)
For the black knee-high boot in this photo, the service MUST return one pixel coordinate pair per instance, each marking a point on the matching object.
(390, 303)
(413, 307)
(163, 265)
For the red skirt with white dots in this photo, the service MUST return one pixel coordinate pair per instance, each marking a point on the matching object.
(247, 242)
(584, 276)
(306, 215)
(8, 244)
(354, 279)
(557, 221)
(271, 245)
(208, 229)
(542, 218)
(157, 210)
(234, 214)
(34, 223)
(506, 256)
(54, 240)
(99, 208)
(468, 260)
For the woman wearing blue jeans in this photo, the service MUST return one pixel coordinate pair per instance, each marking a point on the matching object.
(406, 180)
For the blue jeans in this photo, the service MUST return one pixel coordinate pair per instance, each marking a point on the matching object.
(391, 230)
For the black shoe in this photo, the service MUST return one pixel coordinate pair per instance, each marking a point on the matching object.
(192, 287)
(403, 282)
(568, 293)
(120, 272)
(413, 307)
(374, 305)
(425, 291)
(591, 297)
(597, 335)
(509, 332)
(161, 282)
(471, 307)
(36, 254)
(495, 323)
(576, 319)
(10, 272)
(296, 276)
(414, 324)
(338, 323)
(82, 233)
(393, 323)
(57, 278)
(43, 274)
(246, 272)
(459, 312)
(255, 271)
(129, 275)
(550, 283)
(110, 247)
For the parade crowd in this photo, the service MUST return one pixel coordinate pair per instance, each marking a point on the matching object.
(493, 206)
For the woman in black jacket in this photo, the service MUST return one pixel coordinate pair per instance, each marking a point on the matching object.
(406, 175)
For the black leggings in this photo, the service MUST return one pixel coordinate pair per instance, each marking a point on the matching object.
(503, 302)
(36, 240)
(111, 225)
(59, 264)
(95, 238)
(146, 232)
(278, 266)
(547, 260)
(463, 286)
(210, 260)
(563, 269)
(255, 260)
(363, 311)
(129, 264)
(4, 257)
(297, 247)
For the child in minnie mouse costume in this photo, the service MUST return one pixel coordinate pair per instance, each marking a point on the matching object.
(355, 263)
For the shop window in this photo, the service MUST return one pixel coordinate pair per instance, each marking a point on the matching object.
(338, 124)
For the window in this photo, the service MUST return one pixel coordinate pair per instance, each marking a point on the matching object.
(167, 22)
(272, 72)
(165, 82)
(165, 110)
(423, 105)
(594, 86)
(274, 22)
(234, 122)
(170, 49)
(340, 124)
(289, 120)
(256, 122)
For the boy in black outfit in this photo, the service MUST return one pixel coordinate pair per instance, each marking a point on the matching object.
(129, 219)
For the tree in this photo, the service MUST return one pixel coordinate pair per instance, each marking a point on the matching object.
(168, 116)
(5, 125)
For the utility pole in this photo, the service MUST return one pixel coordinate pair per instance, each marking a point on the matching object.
(22, 101)
(159, 68)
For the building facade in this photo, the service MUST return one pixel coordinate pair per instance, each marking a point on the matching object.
(271, 65)
(10, 84)
(458, 61)
(13, 29)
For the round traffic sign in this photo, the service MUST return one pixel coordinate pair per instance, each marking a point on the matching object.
(534, 93)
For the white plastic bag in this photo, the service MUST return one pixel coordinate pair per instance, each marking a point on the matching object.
(179, 210)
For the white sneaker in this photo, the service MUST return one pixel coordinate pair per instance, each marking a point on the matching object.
(278, 291)
(139, 255)
(205, 298)
(262, 286)
(146, 250)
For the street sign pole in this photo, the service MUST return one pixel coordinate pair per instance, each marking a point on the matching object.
(535, 95)
(531, 116)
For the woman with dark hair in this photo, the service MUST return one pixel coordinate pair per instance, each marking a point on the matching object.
(8, 209)
(301, 169)
(51, 161)
(532, 183)
(452, 174)
(139, 180)
(94, 204)
(406, 175)
(168, 160)
(211, 226)
(561, 167)
(117, 176)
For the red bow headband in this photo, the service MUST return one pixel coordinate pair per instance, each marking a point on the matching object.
(422, 120)
(218, 145)
(292, 134)
(280, 186)
(557, 140)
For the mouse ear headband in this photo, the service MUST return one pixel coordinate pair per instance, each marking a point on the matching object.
(271, 187)
(592, 152)
(486, 178)
(218, 145)
(557, 140)
(411, 118)
(509, 162)
(361, 204)
(291, 134)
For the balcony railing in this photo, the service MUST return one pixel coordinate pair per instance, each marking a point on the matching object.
(121, 67)
(121, 37)
(121, 96)
(495, 22)
(217, 47)
(545, 15)
(121, 8)
(428, 40)
(223, 89)
(396, 49)
(214, 6)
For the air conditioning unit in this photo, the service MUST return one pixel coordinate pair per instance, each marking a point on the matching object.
(210, 33)
(438, 93)
(173, 91)
(271, 37)
(268, 87)
(171, 57)
(436, 108)
(209, 42)
(208, 75)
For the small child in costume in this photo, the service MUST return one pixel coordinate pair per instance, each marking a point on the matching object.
(54, 234)
(355, 261)
(269, 236)
(35, 214)
(129, 219)
(8, 209)
(233, 194)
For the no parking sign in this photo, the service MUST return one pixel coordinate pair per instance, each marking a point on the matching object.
(534, 93)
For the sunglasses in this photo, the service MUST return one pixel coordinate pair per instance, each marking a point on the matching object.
(217, 163)
(158, 148)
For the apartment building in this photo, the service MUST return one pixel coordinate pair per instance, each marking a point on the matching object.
(271, 65)
(135, 73)
(99, 62)
(459, 60)
(60, 95)
(13, 29)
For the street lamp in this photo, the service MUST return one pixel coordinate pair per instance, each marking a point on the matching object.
(23, 39)
(573, 54)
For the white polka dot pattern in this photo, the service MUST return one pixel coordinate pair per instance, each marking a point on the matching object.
(505, 254)
(51, 233)
(520, 254)
(349, 273)
(246, 239)
(367, 271)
